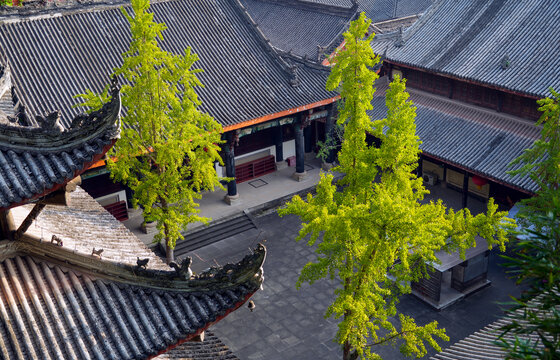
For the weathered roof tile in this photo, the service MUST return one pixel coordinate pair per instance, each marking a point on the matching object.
(470, 40)
(480, 140)
(56, 56)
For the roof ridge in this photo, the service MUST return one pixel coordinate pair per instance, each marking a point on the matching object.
(305, 61)
(289, 71)
(178, 278)
(337, 40)
(464, 105)
(329, 9)
(22, 13)
(407, 34)
(50, 136)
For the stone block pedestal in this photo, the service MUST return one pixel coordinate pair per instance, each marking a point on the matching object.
(281, 165)
(232, 199)
(299, 176)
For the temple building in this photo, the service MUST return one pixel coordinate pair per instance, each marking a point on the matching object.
(273, 109)
(475, 88)
(474, 71)
(312, 30)
(74, 282)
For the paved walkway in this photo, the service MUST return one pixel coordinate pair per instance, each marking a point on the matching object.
(254, 195)
(288, 323)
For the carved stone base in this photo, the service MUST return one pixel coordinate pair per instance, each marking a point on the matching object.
(148, 227)
(281, 165)
(299, 176)
(327, 166)
(232, 199)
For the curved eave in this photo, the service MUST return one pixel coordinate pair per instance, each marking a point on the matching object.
(102, 123)
(61, 185)
(247, 271)
(108, 316)
(280, 114)
(202, 329)
(35, 161)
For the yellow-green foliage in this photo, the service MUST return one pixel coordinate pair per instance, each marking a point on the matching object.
(542, 161)
(374, 234)
(167, 153)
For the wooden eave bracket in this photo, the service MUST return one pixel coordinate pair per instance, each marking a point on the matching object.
(59, 197)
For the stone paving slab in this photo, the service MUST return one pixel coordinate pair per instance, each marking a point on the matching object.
(289, 324)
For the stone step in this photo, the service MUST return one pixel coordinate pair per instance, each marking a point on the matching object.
(213, 233)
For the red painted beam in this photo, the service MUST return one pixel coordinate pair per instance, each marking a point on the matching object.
(449, 76)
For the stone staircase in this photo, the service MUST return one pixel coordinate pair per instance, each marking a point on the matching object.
(213, 233)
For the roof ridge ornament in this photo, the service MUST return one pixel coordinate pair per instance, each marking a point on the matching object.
(400, 40)
(294, 77)
(51, 137)
(505, 62)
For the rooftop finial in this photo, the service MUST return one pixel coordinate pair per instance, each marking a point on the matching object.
(506, 62)
(400, 40)
(294, 78)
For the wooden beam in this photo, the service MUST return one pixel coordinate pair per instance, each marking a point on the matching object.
(29, 220)
(6, 224)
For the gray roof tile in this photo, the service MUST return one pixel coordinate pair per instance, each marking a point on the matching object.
(469, 40)
(296, 29)
(62, 313)
(480, 140)
(300, 27)
(84, 225)
(60, 302)
(481, 345)
(56, 56)
(211, 348)
(37, 158)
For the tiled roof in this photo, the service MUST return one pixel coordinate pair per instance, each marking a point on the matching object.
(340, 3)
(39, 155)
(481, 345)
(84, 225)
(62, 302)
(309, 31)
(295, 28)
(479, 140)
(63, 313)
(381, 10)
(509, 44)
(55, 55)
(212, 348)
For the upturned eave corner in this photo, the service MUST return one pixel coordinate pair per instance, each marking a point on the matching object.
(248, 272)
(50, 137)
(49, 156)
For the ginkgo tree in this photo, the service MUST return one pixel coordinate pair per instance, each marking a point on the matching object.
(370, 229)
(168, 149)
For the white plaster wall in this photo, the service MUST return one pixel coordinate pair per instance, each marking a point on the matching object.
(289, 149)
(261, 152)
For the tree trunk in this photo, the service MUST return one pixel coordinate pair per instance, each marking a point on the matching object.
(346, 348)
(169, 253)
(346, 351)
